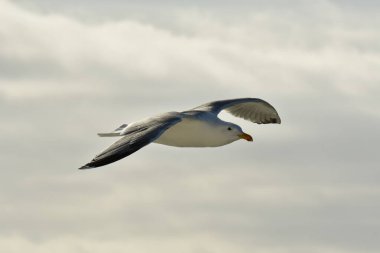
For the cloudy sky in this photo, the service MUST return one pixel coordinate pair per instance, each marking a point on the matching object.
(70, 69)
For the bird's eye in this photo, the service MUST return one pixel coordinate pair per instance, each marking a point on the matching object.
(229, 128)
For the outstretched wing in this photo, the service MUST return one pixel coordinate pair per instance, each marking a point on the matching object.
(139, 134)
(252, 109)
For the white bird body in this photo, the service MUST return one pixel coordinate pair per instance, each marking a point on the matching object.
(209, 131)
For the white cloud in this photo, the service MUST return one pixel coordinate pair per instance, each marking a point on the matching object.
(266, 54)
(307, 185)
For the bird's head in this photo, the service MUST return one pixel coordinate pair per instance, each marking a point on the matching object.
(235, 132)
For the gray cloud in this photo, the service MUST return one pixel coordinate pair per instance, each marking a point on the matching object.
(309, 185)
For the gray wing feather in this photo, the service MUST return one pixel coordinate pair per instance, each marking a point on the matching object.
(253, 109)
(139, 135)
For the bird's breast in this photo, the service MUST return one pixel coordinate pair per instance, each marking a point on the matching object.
(192, 133)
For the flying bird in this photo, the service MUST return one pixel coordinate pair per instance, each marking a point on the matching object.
(198, 127)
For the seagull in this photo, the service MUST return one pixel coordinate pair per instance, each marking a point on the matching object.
(198, 127)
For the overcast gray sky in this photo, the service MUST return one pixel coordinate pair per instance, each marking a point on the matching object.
(70, 69)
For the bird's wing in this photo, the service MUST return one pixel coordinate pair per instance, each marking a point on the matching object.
(139, 135)
(252, 109)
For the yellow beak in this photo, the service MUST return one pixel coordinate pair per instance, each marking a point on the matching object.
(245, 137)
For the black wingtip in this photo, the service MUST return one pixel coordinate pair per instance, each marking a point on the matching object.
(85, 167)
(275, 120)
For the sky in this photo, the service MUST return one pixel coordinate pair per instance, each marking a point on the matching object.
(70, 69)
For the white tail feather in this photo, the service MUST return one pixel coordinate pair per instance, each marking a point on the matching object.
(112, 134)
(116, 132)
